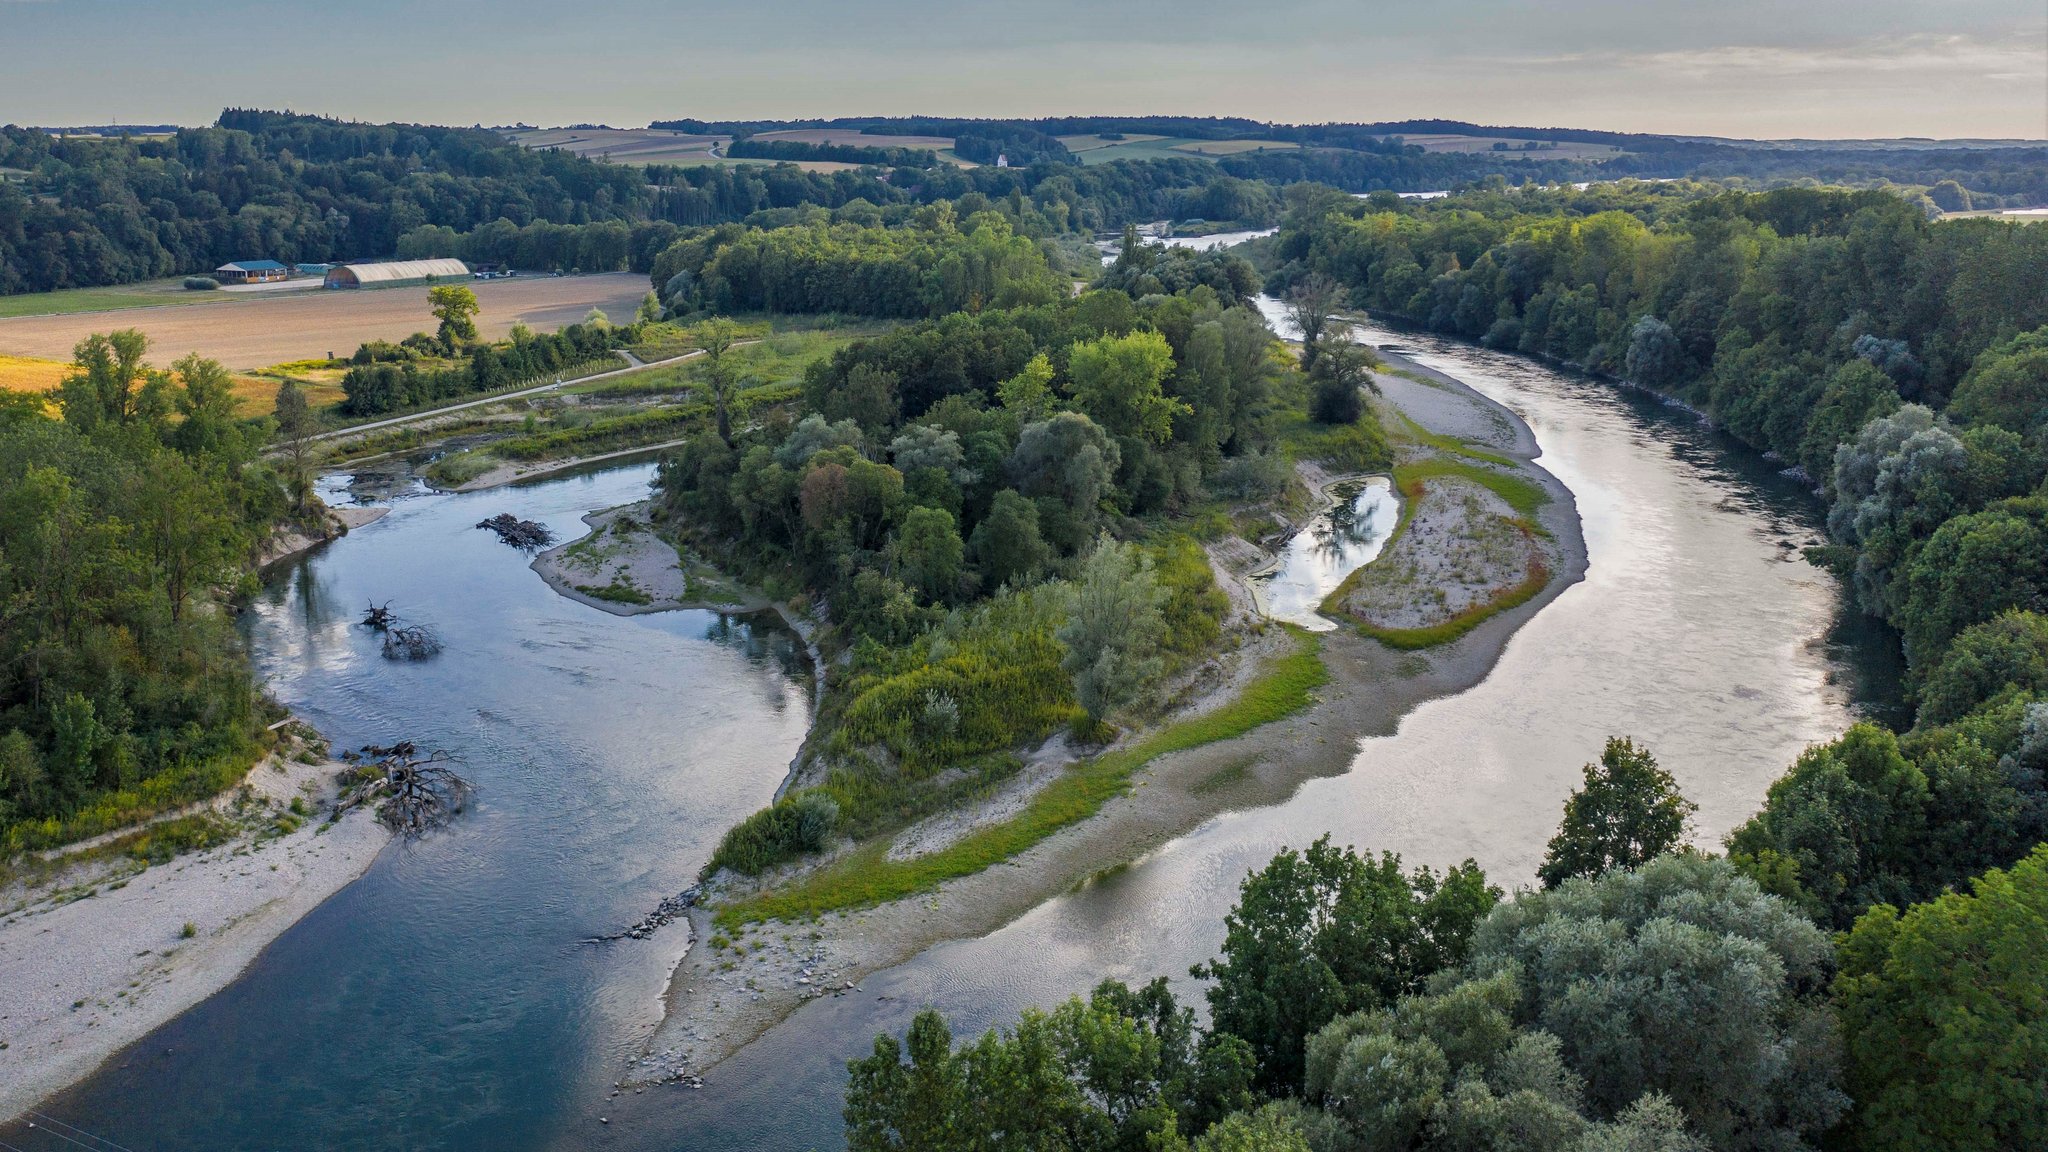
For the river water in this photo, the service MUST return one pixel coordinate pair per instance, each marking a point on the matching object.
(444, 1001)
(1345, 537)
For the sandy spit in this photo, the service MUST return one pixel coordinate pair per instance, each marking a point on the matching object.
(96, 959)
(719, 1000)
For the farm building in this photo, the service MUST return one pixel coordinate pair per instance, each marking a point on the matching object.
(395, 272)
(251, 272)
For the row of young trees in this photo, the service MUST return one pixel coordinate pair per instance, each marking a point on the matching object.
(389, 377)
(1648, 998)
(123, 527)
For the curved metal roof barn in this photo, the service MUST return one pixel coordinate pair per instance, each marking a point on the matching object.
(394, 272)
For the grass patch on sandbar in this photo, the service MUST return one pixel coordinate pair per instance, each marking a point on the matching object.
(867, 877)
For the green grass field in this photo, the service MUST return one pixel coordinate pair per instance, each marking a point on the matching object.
(867, 877)
(69, 300)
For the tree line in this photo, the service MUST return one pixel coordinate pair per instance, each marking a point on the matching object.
(1647, 997)
(453, 362)
(126, 526)
(89, 211)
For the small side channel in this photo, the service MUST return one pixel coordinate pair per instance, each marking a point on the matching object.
(1343, 538)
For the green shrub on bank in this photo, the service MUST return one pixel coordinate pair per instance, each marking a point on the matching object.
(794, 825)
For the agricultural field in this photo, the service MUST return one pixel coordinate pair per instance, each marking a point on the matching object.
(253, 331)
(1096, 150)
(1233, 147)
(255, 395)
(1541, 150)
(854, 139)
(624, 145)
(663, 146)
(148, 294)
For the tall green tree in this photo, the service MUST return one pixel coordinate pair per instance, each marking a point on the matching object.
(1629, 812)
(1117, 382)
(1944, 1011)
(1320, 933)
(716, 338)
(455, 306)
(295, 426)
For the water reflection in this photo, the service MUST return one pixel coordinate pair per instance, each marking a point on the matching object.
(446, 1000)
(1337, 542)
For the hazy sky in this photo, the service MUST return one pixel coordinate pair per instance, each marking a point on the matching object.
(1760, 68)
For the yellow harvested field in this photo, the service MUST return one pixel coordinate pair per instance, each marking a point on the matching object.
(254, 395)
(24, 374)
(248, 333)
(257, 395)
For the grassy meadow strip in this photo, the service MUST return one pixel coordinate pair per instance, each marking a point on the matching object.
(867, 877)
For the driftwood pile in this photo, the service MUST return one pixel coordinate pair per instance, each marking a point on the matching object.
(401, 641)
(526, 535)
(413, 793)
(666, 912)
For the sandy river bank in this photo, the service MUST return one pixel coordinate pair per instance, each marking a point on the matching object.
(101, 954)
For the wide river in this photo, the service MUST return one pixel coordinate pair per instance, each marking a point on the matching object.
(445, 1001)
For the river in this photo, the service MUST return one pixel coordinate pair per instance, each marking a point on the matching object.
(1698, 630)
(444, 1001)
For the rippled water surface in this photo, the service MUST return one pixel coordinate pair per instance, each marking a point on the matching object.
(445, 999)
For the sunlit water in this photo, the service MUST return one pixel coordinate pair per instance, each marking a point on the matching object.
(1336, 543)
(1698, 630)
(445, 1000)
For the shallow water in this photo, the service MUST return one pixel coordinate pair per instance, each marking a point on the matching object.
(445, 1000)
(1337, 542)
(1698, 630)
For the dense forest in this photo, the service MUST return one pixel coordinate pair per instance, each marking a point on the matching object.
(1902, 365)
(1644, 1000)
(988, 499)
(80, 211)
(124, 528)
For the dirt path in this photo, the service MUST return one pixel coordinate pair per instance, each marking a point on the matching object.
(264, 329)
(633, 364)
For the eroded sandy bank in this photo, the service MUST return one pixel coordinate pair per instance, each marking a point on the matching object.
(96, 958)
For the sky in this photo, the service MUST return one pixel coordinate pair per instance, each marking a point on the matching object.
(1743, 68)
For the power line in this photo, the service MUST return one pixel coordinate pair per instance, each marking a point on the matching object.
(75, 1128)
(63, 1137)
